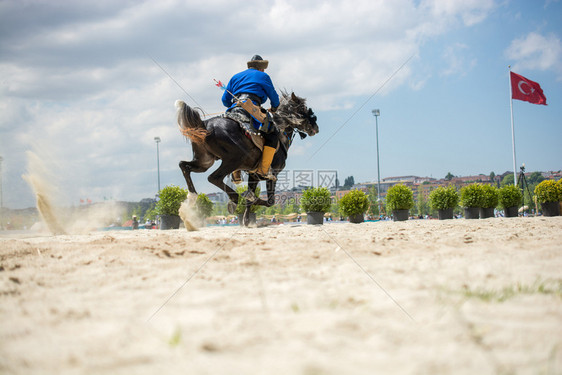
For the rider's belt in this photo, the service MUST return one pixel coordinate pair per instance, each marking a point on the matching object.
(252, 97)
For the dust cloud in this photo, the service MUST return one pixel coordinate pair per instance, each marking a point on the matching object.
(57, 215)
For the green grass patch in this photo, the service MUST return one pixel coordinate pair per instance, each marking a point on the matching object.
(175, 339)
(547, 287)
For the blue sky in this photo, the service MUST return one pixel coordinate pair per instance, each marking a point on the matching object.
(79, 88)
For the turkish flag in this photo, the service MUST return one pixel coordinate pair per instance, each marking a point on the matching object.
(526, 90)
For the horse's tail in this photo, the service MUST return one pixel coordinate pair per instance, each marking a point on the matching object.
(190, 123)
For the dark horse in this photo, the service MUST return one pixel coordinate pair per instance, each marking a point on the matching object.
(223, 138)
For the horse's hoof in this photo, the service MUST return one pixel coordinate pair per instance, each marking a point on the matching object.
(231, 207)
(249, 196)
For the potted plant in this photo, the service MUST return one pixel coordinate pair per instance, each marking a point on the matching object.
(470, 200)
(444, 200)
(241, 207)
(399, 200)
(354, 205)
(559, 186)
(510, 198)
(488, 200)
(548, 195)
(168, 206)
(315, 202)
(204, 206)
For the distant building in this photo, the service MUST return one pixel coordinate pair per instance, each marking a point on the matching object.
(219, 197)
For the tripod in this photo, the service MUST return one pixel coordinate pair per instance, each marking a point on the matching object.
(522, 182)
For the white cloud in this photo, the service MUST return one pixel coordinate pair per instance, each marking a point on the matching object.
(457, 60)
(470, 11)
(536, 51)
(79, 75)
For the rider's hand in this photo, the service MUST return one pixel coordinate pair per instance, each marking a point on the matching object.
(272, 109)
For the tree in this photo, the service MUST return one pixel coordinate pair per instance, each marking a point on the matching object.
(349, 182)
(449, 176)
(535, 178)
(422, 204)
(372, 196)
(492, 176)
(507, 180)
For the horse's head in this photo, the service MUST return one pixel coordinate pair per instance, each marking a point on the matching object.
(293, 113)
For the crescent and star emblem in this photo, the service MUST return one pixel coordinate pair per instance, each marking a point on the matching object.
(520, 86)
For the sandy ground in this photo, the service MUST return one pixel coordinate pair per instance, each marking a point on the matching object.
(417, 297)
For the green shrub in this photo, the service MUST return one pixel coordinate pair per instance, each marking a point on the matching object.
(444, 198)
(399, 197)
(510, 196)
(471, 195)
(170, 199)
(204, 205)
(547, 191)
(354, 203)
(316, 200)
(489, 196)
(241, 207)
(559, 186)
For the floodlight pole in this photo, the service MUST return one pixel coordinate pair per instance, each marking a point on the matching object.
(1, 193)
(157, 139)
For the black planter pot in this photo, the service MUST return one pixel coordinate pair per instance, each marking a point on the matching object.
(486, 212)
(315, 218)
(169, 222)
(471, 213)
(445, 214)
(252, 218)
(550, 209)
(511, 211)
(356, 219)
(400, 215)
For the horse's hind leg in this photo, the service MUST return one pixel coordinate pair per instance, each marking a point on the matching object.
(251, 198)
(191, 166)
(217, 179)
(270, 185)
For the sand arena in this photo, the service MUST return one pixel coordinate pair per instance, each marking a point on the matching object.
(427, 296)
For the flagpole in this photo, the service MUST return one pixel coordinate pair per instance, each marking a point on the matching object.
(512, 128)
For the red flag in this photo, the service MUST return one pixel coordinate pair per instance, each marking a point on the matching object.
(526, 90)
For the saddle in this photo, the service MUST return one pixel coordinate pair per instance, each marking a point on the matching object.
(244, 119)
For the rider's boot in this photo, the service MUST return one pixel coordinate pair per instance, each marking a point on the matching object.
(266, 159)
(237, 176)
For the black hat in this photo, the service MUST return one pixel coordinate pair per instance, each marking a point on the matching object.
(258, 62)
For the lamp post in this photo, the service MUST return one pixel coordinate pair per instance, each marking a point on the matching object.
(377, 113)
(1, 197)
(157, 139)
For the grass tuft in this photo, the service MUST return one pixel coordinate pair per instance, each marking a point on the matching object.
(547, 287)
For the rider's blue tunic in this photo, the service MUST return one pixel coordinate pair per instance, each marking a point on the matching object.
(251, 81)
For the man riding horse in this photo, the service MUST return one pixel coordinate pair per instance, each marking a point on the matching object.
(255, 85)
